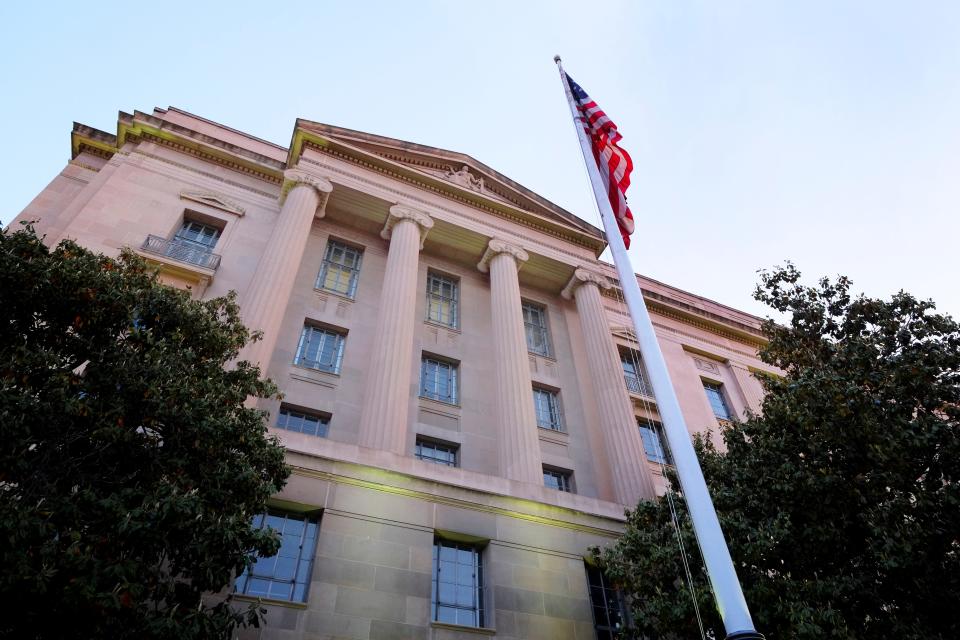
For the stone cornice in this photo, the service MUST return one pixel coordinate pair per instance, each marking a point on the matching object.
(400, 212)
(145, 127)
(583, 276)
(398, 171)
(497, 246)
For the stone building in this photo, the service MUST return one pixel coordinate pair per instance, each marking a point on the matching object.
(464, 408)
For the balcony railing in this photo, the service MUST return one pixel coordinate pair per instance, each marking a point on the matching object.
(636, 384)
(182, 251)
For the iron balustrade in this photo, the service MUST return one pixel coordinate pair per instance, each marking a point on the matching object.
(182, 251)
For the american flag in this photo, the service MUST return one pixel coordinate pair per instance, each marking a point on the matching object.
(614, 163)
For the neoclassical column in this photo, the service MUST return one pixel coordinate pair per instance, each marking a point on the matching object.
(624, 446)
(383, 422)
(519, 443)
(303, 197)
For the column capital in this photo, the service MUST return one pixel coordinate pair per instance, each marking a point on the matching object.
(400, 212)
(294, 177)
(583, 276)
(495, 247)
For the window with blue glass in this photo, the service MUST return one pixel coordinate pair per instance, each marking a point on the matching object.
(320, 349)
(307, 422)
(718, 401)
(457, 585)
(286, 575)
(438, 379)
(654, 441)
(558, 479)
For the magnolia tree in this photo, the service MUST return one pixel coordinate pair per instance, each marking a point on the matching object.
(130, 467)
(841, 502)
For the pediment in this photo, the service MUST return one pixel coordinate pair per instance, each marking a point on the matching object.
(213, 200)
(459, 172)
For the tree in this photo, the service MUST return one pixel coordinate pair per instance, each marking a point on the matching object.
(130, 467)
(841, 502)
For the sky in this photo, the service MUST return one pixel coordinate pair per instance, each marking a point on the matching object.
(823, 133)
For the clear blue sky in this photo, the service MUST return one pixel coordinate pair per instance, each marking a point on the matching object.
(822, 132)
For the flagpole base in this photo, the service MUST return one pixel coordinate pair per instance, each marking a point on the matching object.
(745, 635)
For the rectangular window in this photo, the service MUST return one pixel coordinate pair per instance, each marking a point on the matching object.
(457, 585)
(437, 452)
(557, 479)
(340, 269)
(193, 243)
(717, 401)
(438, 380)
(547, 406)
(302, 422)
(285, 576)
(633, 372)
(535, 323)
(443, 295)
(654, 442)
(320, 349)
(606, 603)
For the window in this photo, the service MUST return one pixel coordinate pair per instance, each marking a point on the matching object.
(442, 300)
(285, 576)
(654, 441)
(194, 243)
(547, 406)
(302, 422)
(438, 380)
(340, 269)
(457, 586)
(320, 349)
(717, 402)
(557, 479)
(535, 322)
(606, 603)
(633, 373)
(437, 452)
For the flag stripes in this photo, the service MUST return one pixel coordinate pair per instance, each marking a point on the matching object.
(614, 163)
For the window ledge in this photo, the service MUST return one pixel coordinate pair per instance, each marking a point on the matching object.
(314, 376)
(336, 294)
(484, 631)
(439, 403)
(551, 358)
(270, 601)
(552, 435)
(440, 325)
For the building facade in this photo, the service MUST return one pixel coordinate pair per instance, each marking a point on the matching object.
(463, 405)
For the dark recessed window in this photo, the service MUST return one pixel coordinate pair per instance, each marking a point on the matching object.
(285, 576)
(606, 603)
(457, 586)
(312, 424)
(437, 452)
(558, 479)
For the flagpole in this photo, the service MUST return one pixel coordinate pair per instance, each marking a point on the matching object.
(731, 604)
